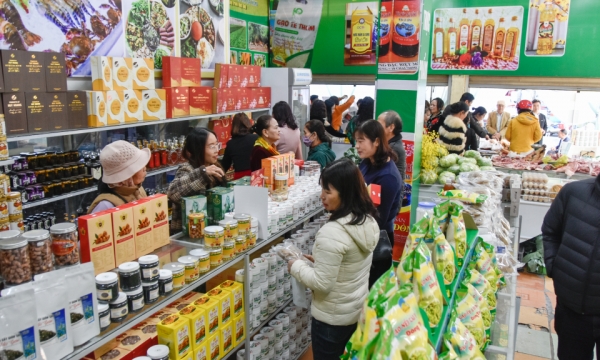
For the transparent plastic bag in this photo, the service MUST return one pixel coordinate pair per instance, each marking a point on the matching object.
(290, 252)
(508, 264)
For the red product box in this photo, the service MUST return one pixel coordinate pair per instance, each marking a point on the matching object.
(171, 71)
(219, 101)
(96, 241)
(201, 100)
(250, 76)
(230, 99)
(257, 178)
(191, 73)
(234, 76)
(375, 193)
(221, 73)
(178, 102)
(242, 98)
(263, 97)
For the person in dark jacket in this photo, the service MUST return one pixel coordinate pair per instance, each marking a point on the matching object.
(239, 146)
(267, 129)
(365, 112)
(472, 136)
(537, 105)
(468, 99)
(392, 125)
(571, 233)
(453, 132)
(434, 121)
(318, 142)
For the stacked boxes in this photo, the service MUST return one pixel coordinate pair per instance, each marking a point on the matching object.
(237, 87)
(279, 164)
(193, 205)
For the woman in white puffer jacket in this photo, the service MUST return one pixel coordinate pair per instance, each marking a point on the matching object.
(342, 254)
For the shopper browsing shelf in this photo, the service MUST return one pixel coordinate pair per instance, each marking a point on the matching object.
(342, 256)
(392, 126)
(124, 170)
(498, 121)
(267, 129)
(289, 134)
(318, 142)
(434, 122)
(239, 146)
(524, 130)
(201, 171)
(453, 132)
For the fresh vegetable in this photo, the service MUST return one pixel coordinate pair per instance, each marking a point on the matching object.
(462, 160)
(449, 160)
(468, 167)
(445, 176)
(484, 162)
(454, 169)
(472, 154)
(487, 168)
(428, 177)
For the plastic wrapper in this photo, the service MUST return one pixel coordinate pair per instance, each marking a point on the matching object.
(482, 262)
(441, 213)
(290, 252)
(487, 168)
(417, 233)
(480, 283)
(491, 179)
(426, 285)
(446, 176)
(456, 233)
(486, 313)
(508, 264)
(459, 341)
(462, 195)
(469, 313)
(428, 177)
(443, 255)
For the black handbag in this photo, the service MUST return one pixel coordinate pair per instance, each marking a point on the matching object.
(382, 258)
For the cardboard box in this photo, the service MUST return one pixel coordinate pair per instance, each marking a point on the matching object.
(123, 233)
(133, 341)
(144, 237)
(191, 72)
(122, 73)
(239, 329)
(77, 110)
(198, 323)
(101, 73)
(96, 104)
(211, 305)
(263, 97)
(241, 99)
(219, 101)
(225, 299)
(13, 70)
(174, 331)
(252, 94)
(114, 106)
(57, 111)
(237, 291)
(34, 76)
(201, 351)
(115, 354)
(269, 165)
(2, 88)
(190, 297)
(178, 102)
(213, 344)
(96, 241)
(234, 76)
(97, 354)
(160, 219)
(56, 73)
(226, 338)
(193, 205)
(171, 71)
(132, 106)
(250, 76)
(221, 73)
(147, 328)
(201, 100)
(142, 73)
(230, 99)
(154, 104)
(37, 115)
(220, 201)
(15, 113)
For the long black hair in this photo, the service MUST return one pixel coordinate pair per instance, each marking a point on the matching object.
(329, 103)
(284, 115)
(262, 123)
(318, 110)
(194, 147)
(458, 107)
(316, 126)
(346, 178)
(373, 130)
(366, 110)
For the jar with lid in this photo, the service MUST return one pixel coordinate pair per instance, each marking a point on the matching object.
(31, 176)
(191, 268)
(59, 172)
(196, 225)
(3, 207)
(4, 184)
(103, 316)
(72, 156)
(150, 292)
(30, 160)
(89, 180)
(39, 192)
(3, 148)
(4, 225)
(165, 282)
(228, 250)
(64, 244)
(230, 228)
(203, 260)
(59, 158)
(28, 194)
(243, 221)
(15, 222)
(214, 236)
(58, 187)
(47, 188)
(23, 179)
(67, 185)
(149, 266)
(423, 208)
(280, 187)
(158, 352)
(107, 286)
(14, 261)
(216, 257)
(135, 300)
(40, 175)
(118, 308)
(81, 169)
(240, 245)
(130, 276)
(178, 273)
(40, 251)
(5, 235)
(96, 170)
(41, 159)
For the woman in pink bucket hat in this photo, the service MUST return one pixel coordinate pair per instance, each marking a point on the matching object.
(124, 170)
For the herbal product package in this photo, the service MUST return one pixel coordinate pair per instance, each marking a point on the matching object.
(426, 285)
(19, 338)
(83, 306)
(460, 340)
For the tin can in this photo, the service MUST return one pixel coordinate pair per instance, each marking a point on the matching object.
(228, 251)
(216, 257)
(214, 237)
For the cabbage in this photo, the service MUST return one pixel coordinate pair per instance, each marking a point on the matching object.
(467, 167)
(484, 162)
(439, 170)
(487, 168)
(446, 175)
(449, 160)
(454, 169)
(472, 154)
(429, 177)
(462, 160)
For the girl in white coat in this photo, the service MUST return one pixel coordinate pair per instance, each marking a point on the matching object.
(342, 254)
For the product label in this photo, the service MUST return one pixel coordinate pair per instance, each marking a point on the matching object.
(143, 74)
(21, 345)
(107, 74)
(133, 105)
(488, 36)
(154, 105)
(123, 74)
(153, 294)
(200, 327)
(214, 347)
(201, 353)
(407, 15)
(510, 38)
(213, 318)
(168, 287)
(183, 343)
(464, 36)
(118, 312)
(362, 23)
(104, 321)
(150, 272)
(104, 295)
(499, 43)
(53, 327)
(452, 43)
(475, 36)
(137, 303)
(385, 23)
(82, 310)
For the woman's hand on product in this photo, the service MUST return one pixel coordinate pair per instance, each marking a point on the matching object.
(214, 170)
(290, 263)
(309, 257)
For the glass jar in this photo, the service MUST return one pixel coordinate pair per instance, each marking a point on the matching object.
(39, 191)
(4, 225)
(149, 266)
(158, 352)
(41, 160)
(81, 168)
(165, 282)
(96, 171)
(28, 194)
(196, 225)
(59, 158)
(40, 175)
(59, 172)
(214, 236)
(89, 180)
(228, 251)
(119, 308)
(103, 316)
(203, 257)
(15, 222)
(67, 185)
(14, 261)
(47, 188)
(216, 257)
(135, 299)
(230, 228)
(23, 179)
(150, 292)
(59, 187)
(49, 174)
(30, 161)
(3, 207)
(73, 156)
(243, 223)
(64, 244)
(50, 158)
(130, 276)
(107, 286)
(3, 148)
(40, 251)
(4, 184)
(191, 268)
(178, 272)
(15, 204)
(240, 245)
(67, 171)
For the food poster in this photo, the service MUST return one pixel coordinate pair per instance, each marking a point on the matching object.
(150, 29)
(204, 32)
(402, 221)
(400, 36)
(249, 32)
(486, 38)
(79, 29)
(294, 28)
(547, 27)
(361, 33)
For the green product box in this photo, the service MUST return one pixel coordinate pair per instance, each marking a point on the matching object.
(220, 202)
(192, 205)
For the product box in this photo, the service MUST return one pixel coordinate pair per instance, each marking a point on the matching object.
(239, 328)
(201, 351)
(102, 350)
(280, 164)
(114, 107)
(174, 331)
(37, 114)
(292, 170)
(122, 229)
(77, 111)
(211, 305)
(96, 104)
(143, 235)
(57, 110)
(198, 323)
(96, 241)
(171, 71)
(234, 76)
(142, 73)
(226, 338)
(193, 205)
(132, 106)
(13, 70)
(56, 74)
(34, 74)
(160, 219)
(191, 72)
(101, 73)
(230, 99)
(15, 113)
(178, 102)
(220, 201)
(263, 97)
(134, 341)
(241, 99)
(221, 74)
(225, 299)
(121, 73)
(154, 104)
(157, 317)
(237, 291)
(190, 297)
(148, 327)
(175, 307)
(250, 76)
(269, 165)
(219, 100)
(213, 345)
(201, 100)
(113, 354)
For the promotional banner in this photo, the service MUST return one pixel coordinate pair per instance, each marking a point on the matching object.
(249, 32)
(477, 38)
(361, 33)
(547, 27)
(402, 222)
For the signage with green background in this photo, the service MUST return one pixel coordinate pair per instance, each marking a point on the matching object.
(249, 32)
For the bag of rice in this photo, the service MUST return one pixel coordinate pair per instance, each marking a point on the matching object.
(480, 283)
(469, 314)
(443, 256)
(426, 285)
(459, 341)
(456, 234)
(416, 235)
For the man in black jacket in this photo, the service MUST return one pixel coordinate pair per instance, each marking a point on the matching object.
(541, 117)
(571, 231)
(472, 123)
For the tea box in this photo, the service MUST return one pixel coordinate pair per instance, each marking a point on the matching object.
(142, 71)
(237, 291)
(143, 234)
(154, 104)
(211, 305)
(221, 73)
(96, 241)
(101, 73)
(263, 97)
(269, 165)
(132, 106)
(239, 328)
(250, 76)
(34, 74)
(201, 351)
(198, 323)
(114, 108)
(178, 102)
(213, 344)
(171, 71)
(220, 202)
(201, 100)
(15, 113)
(37, 120)
(55, 69)
(96, 104)
(123, 233)
(192, 205)
(77, 109)
(160, 219)
(174, 331)
(57, 110)
(225, 299)
(191, 72)
(226, 338)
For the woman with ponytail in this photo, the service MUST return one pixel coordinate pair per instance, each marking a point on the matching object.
(318, 142)
(267, 129)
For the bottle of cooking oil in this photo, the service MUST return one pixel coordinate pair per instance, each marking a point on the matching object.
(407, 18)
(385, 26)
(500, 39)
(546, 29)
(512, 39)
(488, 33)
(451, 39)
(464, 32)
(438, 40)
(475, 31)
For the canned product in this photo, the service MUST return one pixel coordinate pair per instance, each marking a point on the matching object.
(230, 228)
(15, 222)
(214, 236)
(15, 205)
(243, 221)
(240, 245)
(203, 260)
(216, 257)
(228, 251)
(191, 268)
(178, 271)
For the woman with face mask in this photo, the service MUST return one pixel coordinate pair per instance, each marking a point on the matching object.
(318, 142)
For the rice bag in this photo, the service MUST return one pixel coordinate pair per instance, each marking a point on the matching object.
(486, 314)
(426, 285)
(403, 334)
(463, 195)
(417, 233)
(456, 233)
(443, 256)
(469, 314)
(480, 283)
(460, 342)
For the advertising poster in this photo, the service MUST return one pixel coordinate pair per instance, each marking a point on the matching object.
(547, 27)
(249, 32)
(361, 33)
(477, 38)
(402, 222)
(400, 36)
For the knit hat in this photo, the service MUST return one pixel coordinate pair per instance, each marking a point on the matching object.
(120, 161)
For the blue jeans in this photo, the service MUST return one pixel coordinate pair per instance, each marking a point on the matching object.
(329, 341)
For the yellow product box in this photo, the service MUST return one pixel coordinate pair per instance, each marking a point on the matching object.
(154, 104)
(225, 299)
(132, 106)
(239, 329)
(201, 351)
(121, 73)
(198, 321)
(114, 108)
(189, 356)
(213, 346)
(211, 305)
(96, 104)
(122, 229)
(96, 241)
(101, 73)
(144, 237)
(142, 73)
(190, 297)
(237, 289)
(226, 338)
(174, 331)
(159, 218)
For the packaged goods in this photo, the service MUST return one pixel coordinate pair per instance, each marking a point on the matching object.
(486, 314)
(150, 291)
(96, 104)
(219, 202)
(83, 307)
(149, 268)
(178, 272)
(199, 323)
(237, 290)
(174, 332)
(103, 316)
(13, 68)
(195, 225)
(154, 104)
(77, 110)
(201, 352)
(123, 234)
(101, 73)
(211, 305)
(462, 195)
(226, 337)
(456, 233)
(132, 106)
(239, 329)
(135, 300)
(192, 205)
(165, 282)
(15, 114)
(37, 112)
(144, 235)
(469, 314)
(130, 277)
(191, 268)
(19, 335)
(122, 73)
(158, 207)
(221, 74)
(251, 76)
(201, 100)
(171, 71)
(430, 297)
(96, 240)
(114, 107)
(178, 102)
(480, 283)
(225, 300)
(142, 73)
(57, 111)
(107, 286)
(119, 308)
(214, 346)
(203, 257)
(40, 251)
(460, 340)
(14, 261)
(443, 254)
(191, 72)
(34, 74)
(417, 233)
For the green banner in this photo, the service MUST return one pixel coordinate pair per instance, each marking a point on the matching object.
(249, 32)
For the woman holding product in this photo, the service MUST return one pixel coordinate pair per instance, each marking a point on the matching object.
(267, 129)
(342, 256)
(202, 171)
(289, 134)
(124, 170)
(239, 146)
(318, 142)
